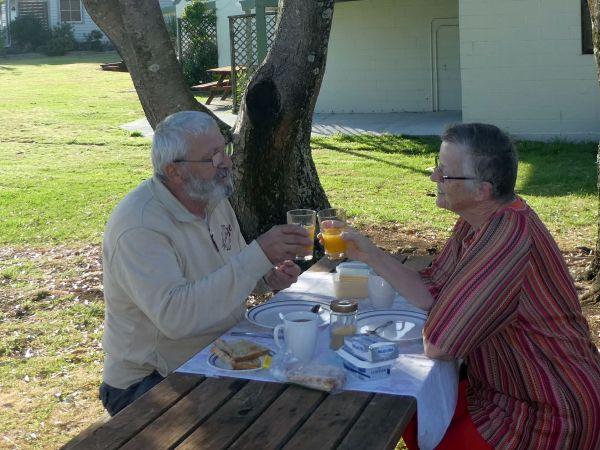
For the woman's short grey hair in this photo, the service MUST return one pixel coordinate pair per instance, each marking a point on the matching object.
(169, 142)
(493, 155)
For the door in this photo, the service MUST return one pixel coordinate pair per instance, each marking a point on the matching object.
(447, 64)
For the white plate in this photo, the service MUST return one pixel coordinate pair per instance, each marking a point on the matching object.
(407, 325)
(267, 314)
(217, 363)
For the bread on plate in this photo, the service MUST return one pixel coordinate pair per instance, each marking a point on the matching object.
(239, 354)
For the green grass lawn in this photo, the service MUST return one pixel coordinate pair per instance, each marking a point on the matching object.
(65, 163)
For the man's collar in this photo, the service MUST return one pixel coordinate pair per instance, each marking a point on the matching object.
(170, 202)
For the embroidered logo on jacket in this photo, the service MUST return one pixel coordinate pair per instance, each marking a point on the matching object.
(226, 236)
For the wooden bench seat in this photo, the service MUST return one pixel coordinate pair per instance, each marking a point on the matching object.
(212, 86)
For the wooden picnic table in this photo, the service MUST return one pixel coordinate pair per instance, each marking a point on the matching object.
(222, 85)
(191, 411)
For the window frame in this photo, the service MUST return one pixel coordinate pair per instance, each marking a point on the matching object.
(60, 11)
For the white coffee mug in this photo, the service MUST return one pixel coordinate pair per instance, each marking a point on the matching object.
(300, 333)
(381, 292)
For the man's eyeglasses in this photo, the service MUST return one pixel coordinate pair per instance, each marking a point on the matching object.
(217, 158)
(446, 177)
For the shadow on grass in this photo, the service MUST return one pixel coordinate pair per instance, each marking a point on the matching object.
(558, 168)
(78, 57)
(554, 168)
(357, 145)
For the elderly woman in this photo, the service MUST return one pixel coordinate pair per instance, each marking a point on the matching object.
(500, 297)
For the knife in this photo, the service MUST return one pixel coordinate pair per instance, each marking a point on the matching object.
(251, 334)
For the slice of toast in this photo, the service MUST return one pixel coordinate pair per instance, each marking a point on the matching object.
(236, 365)
(241, 350)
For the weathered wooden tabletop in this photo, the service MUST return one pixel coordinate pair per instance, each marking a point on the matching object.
(191, 411)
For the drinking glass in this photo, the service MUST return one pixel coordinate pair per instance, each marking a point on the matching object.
(332, 222)
(305, 218)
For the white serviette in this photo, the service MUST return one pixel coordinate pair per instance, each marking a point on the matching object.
(433, 383)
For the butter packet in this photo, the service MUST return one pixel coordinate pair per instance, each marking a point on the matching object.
(364, 370)
(370, 348)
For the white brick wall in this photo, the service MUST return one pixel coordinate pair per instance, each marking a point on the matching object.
(379, 57)
(522, 68)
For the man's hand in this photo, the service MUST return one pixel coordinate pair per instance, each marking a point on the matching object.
(283, 276)
(285, 242)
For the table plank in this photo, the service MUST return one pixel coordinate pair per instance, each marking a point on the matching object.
(381, 424)
(330, 422)
(281, 419)
(224, 427)
(136, 416)
(183, 417)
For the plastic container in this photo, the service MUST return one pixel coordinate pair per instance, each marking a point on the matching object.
(365, 370)
(351, 280)
(342, 320)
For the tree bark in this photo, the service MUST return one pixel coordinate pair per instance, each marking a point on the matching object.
(273, 166)
(274, 170)
(137, 29)
(594, 6)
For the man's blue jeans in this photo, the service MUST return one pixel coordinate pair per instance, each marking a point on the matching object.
(114, 399)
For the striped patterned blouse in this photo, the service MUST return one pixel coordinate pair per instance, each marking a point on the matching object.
(506, 304)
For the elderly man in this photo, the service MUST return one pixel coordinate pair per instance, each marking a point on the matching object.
(177, 270)
(500, 297)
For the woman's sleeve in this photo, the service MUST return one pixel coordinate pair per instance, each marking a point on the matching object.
(481, 295)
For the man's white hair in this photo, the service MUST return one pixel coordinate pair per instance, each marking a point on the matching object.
(169, 142)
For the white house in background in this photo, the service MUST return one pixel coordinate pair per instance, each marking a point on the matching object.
(524, 65)
(54, 12)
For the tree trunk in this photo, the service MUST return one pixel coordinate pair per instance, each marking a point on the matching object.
(274, 170)
(594, 6)
(273, 167)
(137, 29)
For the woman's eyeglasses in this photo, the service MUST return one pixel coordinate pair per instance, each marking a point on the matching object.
(446, 177)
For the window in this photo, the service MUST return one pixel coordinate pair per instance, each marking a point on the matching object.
(70, 11)
(587, 47)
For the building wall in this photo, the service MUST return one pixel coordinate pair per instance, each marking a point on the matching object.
(379, 57)
(80, 29)
(522, 68)
(225, 8)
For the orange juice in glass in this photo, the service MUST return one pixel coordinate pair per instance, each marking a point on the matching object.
(305, 218)
(332, 222)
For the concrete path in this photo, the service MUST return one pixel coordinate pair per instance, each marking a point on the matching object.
(415, 124)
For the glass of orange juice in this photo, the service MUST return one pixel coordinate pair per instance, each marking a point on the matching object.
(305, 218)
(332, 222)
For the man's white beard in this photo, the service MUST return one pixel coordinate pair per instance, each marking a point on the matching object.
(211, 191)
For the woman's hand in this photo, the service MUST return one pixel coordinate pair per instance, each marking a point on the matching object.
(360, 247)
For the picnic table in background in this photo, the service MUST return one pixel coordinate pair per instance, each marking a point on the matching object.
(222, 85)
(192, 411)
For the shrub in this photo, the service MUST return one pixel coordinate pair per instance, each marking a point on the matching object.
(200, 51)
(2, 43)
(28, 33)
(61, 41)
(93, 41)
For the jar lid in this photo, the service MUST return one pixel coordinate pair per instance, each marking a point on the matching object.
(344, 306)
